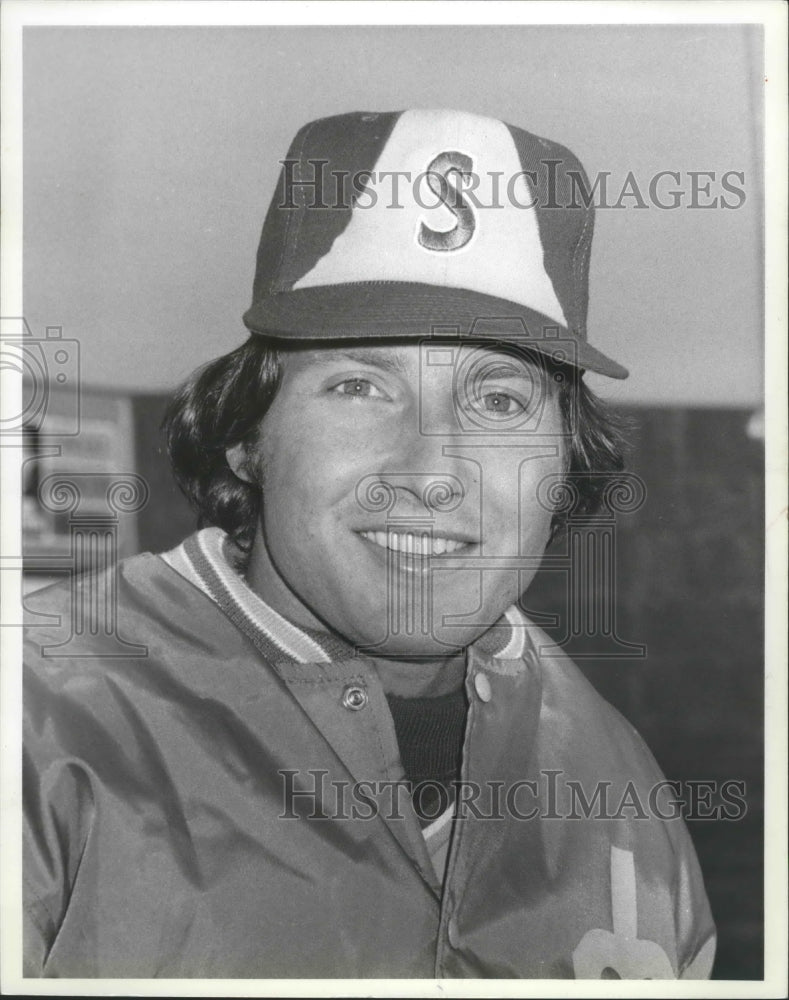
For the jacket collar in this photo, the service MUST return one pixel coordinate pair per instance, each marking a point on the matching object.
(215, 565)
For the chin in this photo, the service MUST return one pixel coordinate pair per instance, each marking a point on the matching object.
(401, 624)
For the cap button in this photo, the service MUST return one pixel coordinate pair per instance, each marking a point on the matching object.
(482, 686)
(354, 698)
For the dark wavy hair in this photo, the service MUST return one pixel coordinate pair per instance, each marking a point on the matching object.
(223, 403)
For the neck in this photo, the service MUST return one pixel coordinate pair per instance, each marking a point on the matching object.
(423, 677)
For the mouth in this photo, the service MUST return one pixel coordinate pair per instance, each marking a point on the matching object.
(421, 544)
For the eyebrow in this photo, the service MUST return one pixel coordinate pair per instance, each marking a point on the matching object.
(389, 360)
(503, 369)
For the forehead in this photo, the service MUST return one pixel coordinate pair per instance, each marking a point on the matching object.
(412, 358)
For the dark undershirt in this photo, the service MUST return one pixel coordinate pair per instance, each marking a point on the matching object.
(430, 738)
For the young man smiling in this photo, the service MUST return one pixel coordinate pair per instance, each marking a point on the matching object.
(343, 753)
(349, 418)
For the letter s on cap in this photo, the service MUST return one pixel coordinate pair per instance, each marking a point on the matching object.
(438, 173)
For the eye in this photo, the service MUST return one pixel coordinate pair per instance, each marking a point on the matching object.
(359, 388)
(501, 403)
(496, 404)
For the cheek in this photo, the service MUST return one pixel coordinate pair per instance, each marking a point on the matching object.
(514, 486)
(322, 453)
(307, 471)
(541, 476)
(537, 496)
(291, 484)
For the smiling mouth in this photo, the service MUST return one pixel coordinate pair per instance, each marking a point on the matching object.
(415, 545)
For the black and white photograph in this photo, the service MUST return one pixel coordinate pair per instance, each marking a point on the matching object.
(394, 499)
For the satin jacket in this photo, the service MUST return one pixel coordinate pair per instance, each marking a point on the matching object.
(211, 792)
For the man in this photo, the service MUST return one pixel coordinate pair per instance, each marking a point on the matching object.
(347, 753)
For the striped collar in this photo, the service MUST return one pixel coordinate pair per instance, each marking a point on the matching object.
(211, 561)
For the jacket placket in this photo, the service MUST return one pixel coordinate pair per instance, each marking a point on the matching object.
(346, 703)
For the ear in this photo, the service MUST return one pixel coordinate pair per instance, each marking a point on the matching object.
(238, 460)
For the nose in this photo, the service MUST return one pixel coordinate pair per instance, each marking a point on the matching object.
(423, 473)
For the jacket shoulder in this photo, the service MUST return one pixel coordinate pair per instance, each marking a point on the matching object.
(605, 772)
(138, 617)
(87, 614)
(583, 722)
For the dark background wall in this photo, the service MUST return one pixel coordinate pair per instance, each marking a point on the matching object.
(689, 587)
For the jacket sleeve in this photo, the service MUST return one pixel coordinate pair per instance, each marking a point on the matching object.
(57, 814)
(695, 927)
(700, 966)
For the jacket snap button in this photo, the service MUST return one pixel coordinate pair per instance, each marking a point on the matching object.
(482, 685)
(354, 698)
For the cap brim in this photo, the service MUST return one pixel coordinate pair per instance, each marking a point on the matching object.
(388, 309)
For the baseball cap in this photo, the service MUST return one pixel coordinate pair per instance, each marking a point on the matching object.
(411, 223)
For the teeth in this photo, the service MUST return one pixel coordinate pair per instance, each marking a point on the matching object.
(413, 545)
